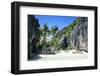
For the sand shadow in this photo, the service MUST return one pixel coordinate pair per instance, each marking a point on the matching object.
(35, 57)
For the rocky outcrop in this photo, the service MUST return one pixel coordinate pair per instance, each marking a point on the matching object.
(33, 35)
(76, 35)
(79, 35)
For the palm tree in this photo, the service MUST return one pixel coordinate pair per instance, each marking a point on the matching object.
(54, 30)
(45, 32)
(54, 40)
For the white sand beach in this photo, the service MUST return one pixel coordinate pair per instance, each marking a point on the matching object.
(70, 55)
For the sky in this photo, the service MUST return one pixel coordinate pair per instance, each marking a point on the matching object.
(59, 21)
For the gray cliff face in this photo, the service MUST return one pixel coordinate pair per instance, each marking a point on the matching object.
(33, 34)
(79, 35)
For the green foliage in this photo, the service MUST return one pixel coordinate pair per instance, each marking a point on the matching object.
(67, 30)
(54, 41)
(54, 30)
